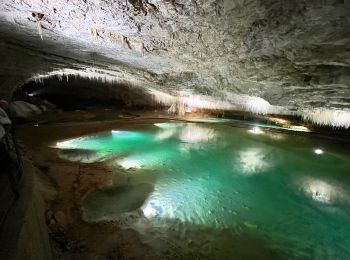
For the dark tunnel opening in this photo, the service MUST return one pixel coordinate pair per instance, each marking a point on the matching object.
(77, 93)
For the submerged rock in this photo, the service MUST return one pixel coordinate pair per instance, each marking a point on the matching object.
(80, 155)
(109, 203)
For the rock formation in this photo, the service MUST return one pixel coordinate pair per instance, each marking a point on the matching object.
(262, 56)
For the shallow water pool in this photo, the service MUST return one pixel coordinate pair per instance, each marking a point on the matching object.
(211, 191)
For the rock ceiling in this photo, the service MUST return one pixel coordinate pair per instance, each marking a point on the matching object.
(291, 54)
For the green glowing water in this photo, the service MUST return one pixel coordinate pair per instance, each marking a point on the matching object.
(253, 185)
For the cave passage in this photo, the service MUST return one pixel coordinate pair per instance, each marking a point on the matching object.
(71, 93)
(173, 129)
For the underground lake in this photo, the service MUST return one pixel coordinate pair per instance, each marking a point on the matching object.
(215, 191)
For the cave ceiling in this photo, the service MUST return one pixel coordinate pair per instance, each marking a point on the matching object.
(293, 54)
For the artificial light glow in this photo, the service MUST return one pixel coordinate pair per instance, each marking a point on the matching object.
(256, 130)
(252, 161)
(318, 151)
(119, 132)
(320, 191)
(151, 210)
(230, 102)
(174, 201)
(324, 192)
(65, 144)
(130, 163)
(149, 160)
(126, 134)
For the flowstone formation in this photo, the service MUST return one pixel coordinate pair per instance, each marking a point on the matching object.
(263, 56)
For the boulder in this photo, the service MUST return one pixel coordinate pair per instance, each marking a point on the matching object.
(23, 110)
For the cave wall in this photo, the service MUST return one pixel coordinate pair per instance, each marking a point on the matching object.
(291, 54)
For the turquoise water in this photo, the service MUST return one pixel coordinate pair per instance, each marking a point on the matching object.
(290, 193)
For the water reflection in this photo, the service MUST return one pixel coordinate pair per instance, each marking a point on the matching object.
(151, 209)
(165, 134)
(324, 192)
(193, 133)
(150, 160)
(318, 151)
(80, 155)
(126, 134)
(196, 137)
(276, 136)
(66, 144)
(252, 161)
(256, 130)
(131, 162)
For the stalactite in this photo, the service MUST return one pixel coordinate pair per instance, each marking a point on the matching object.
(40, 30)
(327, 117)
(179, 101)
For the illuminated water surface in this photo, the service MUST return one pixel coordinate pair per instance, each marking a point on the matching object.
(221, 190)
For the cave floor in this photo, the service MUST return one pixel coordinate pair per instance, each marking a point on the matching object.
(65, 184)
